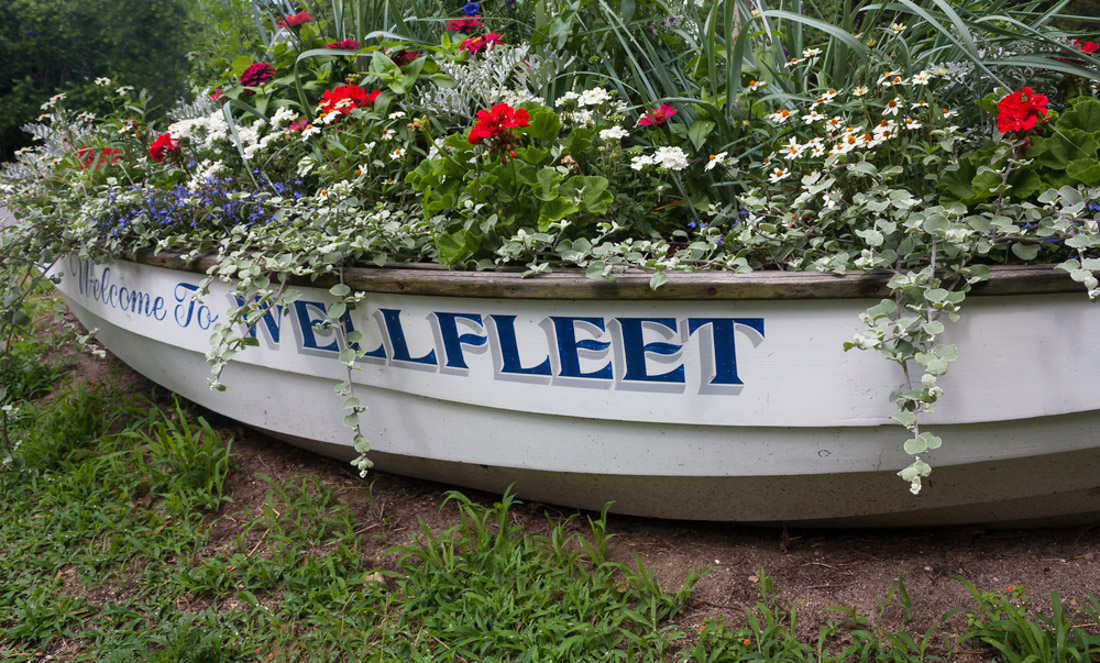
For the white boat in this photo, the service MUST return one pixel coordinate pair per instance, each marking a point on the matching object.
(718, 397)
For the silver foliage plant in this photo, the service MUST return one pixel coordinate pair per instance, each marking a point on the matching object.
(502, 74)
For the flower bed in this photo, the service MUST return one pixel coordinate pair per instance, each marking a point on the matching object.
(688, 137)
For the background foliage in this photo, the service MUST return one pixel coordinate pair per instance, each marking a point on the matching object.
(49, 46)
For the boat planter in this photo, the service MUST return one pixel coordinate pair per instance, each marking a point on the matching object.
(717, 397)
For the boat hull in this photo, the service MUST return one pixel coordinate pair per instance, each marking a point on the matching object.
(733, 410)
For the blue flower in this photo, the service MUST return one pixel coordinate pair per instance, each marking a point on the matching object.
(471, 9)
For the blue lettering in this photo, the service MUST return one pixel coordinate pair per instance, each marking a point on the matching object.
(392, 318)
(725, 355)
(453, 341)
(635, 349)
(273, 321)
(509, 349)
(306, 322)
(568, 346)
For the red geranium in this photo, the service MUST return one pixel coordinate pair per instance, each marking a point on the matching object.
(295, 20)
(482, 43)
(1021, 110)
(344, 45)
(465, 25)
(1087, 47)
(257, 74)
(163, 147)
(346, 97)
(86, 156)
(496, 122)
(658, 115)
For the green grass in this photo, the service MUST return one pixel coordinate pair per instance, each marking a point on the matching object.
(106, 555)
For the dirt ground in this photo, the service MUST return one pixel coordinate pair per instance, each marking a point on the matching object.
(810, 568)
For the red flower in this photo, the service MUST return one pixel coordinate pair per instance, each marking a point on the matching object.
(403, 57)
(482, 43)
(496, 121)
(465, 25)
(217, 95)
(162, 147)
(345, 98)
(299, 125)
(257, 74)
(658, 115)
(1087, 47)
(345, 45)
(1021, 110)
(86, 156)
(295, 20)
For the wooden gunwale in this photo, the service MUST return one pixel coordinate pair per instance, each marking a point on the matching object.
(572, 284)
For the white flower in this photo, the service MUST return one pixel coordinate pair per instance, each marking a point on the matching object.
(103, 81)
(593, 97)
(367, 147)
(817, 147)
(310, 130)
(715, 160)
(124, 90)
(671, 157)
(397, 115)
(890, 79)
(756, 85)
(780, 116)
(948, 113)
(755, 12)
(305, 166)
(793, 149)
(388, 134)
(897, 28)
(283, 115)
(52, 101)
(398, 153)
(811, 52)
(912, 123)
(614, 133)
(922, 78)
(860, 91)
(779, 174)
(892, 107)
(833, 124)
(812, 117)
(638, 163)
(86, 116)
(567, 97)
(920, 104)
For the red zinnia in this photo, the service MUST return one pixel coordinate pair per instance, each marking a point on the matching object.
(162, 147)
(1021, 110)
(86, 156)
(493, 122)
(403, 57)
(346, 97)
(345, 45)
(465, 25)
(295, 20)
(482, 43)
(658, 115)
(257, 74)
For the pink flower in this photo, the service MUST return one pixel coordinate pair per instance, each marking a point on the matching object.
(345, 45)
(465, 25)
(163, 147)
(295, 20)
(482, 43)
(1021, 110)
(299, 125)
(658, 115)
(257, 74)
(217, 95)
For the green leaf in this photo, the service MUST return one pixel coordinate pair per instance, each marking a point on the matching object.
(699, 131)
(555, 210)
(547, 187)
(1025, 251)
(1086, 171)
(904, 418)
(347, 357)
(339, 290)
(589, 191)
(1084, 116)
(545, 124)
(455, 246)
(658, 279)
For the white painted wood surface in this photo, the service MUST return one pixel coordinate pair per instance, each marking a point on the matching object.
(738, 410)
